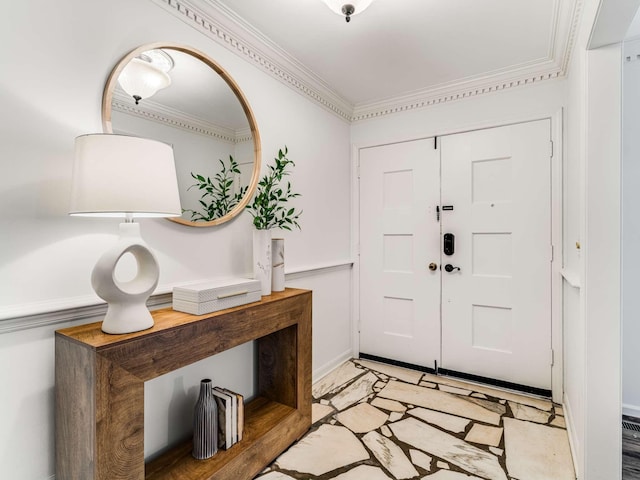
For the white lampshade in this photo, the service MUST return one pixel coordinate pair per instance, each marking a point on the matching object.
(359, 6)
(116, 175)
(122, 176)
(140, 79)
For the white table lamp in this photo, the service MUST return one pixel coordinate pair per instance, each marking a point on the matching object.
(129, 177)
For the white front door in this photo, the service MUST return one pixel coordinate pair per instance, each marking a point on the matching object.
(491, 317)
(496, 310)
(399, 237)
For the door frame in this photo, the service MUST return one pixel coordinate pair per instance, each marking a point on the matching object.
(557, 120)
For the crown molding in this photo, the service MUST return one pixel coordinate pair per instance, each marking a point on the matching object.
(446, 94)
(225, 27)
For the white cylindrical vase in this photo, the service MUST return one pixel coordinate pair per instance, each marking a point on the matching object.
(262, 259)
(277, 261)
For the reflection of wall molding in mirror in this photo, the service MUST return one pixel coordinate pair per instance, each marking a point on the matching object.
(157, 112)
(201, 111)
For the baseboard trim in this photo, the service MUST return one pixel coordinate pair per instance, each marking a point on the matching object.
(330, 366)
(631, 410)
(571, 433)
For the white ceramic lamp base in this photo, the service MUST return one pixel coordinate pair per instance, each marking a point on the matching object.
(127, 310)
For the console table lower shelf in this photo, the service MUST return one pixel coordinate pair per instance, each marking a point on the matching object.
(100, 390)
(269, 426)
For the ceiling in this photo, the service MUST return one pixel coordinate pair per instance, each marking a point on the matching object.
(400, 48)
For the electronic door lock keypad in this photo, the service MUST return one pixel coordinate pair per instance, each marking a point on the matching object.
(449, 244)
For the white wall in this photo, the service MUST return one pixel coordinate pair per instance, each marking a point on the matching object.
(631, 230)
(55, 59)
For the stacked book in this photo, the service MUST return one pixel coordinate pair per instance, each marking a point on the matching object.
(230, 417)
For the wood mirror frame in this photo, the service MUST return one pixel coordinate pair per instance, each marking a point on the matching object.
(107, 101)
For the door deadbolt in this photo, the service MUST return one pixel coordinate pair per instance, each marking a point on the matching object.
(433, 266)
(449, 244)
(450, 268)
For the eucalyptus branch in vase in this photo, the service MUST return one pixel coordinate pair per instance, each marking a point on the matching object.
(270, 208)
(217, 197)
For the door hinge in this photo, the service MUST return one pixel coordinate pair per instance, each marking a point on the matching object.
(552, 253)
(551, 357)
(435, 143)
(551, 148)
(358, 171)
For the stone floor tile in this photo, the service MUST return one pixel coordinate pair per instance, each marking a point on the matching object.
(456, 390)
(322, 451)
(363, 472)
(404, 374)
(559, 410)
(390, 405)
(443, 465)
(437, 400)
(443, 420)
(336, 379)
(540, 403)
(449, 475)
(275, 476)
(420, 459)
(362, 418)
(484, 435)
(428, 384)
(355, 392)
(489, 405)
(319, 411)
(385, 431)
(395, 416)
(479, 395)
(530, 414)
(380, 384)
(447, 447)
(537, 452)
(324, 402)
(559, 422)
(390, 456)
(497, 451)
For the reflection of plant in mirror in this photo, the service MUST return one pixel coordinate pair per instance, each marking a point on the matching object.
(217, 197)
(268, 207)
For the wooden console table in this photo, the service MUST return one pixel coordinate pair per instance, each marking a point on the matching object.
(100, 390)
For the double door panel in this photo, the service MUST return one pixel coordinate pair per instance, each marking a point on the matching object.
(490, 315)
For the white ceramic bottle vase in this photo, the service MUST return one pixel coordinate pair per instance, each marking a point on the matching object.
(262, 259)
(277, 262)
(205, 423)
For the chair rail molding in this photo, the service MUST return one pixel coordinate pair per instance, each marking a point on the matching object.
(224, 26)
(89, 308)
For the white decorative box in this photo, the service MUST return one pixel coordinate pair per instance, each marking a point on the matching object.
(214, 295)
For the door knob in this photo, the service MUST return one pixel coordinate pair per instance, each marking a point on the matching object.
(450, 268)
(433, 266)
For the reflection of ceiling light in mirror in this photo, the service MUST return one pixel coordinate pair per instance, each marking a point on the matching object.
(145, 75)
(348, 8)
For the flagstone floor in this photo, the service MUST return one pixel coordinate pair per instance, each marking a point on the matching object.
(373, 421)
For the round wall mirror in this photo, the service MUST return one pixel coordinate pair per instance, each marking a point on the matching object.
(180, 96)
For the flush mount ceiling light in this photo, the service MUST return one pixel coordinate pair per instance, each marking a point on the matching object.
(146, 74)
(348, 8)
